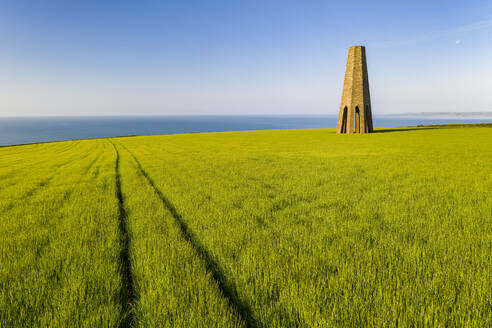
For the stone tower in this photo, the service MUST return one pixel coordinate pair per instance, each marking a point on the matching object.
(355, 110)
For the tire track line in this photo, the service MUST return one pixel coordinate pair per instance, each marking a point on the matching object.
(35, 163)
(43, 245)
(65, 195)
(128, 296)
(227, 289)
(41, 184)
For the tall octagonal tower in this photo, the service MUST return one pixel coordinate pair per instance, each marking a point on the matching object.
(355, 109)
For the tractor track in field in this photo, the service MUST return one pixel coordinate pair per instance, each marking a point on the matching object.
(14, 170)
(128, 295)
(43, 183)
(35, 151)
(227, 289)
(40, 249)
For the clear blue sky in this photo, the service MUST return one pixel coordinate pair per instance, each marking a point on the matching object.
(240, 57)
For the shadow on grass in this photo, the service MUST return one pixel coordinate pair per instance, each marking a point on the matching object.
(403, 130)
(434, 127)
(128, 293)
(226, 287)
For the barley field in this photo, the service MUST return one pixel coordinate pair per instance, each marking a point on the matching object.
(292, 228)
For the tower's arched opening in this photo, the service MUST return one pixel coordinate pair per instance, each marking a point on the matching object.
(344, 120)
(357, 120)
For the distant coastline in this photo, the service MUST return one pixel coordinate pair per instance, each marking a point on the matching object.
(15, 131)
(445, 114)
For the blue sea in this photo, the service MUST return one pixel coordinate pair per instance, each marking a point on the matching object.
(30, 130)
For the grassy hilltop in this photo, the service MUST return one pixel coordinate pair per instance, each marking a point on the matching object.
(298, 228)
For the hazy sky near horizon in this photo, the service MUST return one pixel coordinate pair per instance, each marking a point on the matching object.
(240, 57)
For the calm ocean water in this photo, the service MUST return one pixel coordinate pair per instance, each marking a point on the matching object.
(29, 130)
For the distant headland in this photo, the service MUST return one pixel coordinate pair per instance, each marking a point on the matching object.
(448, 114)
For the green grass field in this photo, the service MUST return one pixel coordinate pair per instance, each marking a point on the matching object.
(294, 228)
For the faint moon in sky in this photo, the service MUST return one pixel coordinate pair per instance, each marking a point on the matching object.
(458, 41)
